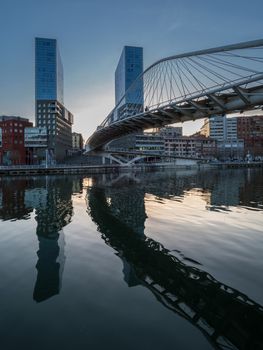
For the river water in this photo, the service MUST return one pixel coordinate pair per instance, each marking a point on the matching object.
(152, 260)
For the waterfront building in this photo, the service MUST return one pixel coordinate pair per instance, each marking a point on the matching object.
(170, 132)
(196, 147)
(49, 100)
(36, 137)
(205, 147)
(169, 140)
(13, 151)
(150, 142)
(175, 143)
(125, 142)
(36, 144)
(230, 149)
(224, 130)
(250, 129)
(220, 128)
(77, 141)
(181, 147)
(130, 66)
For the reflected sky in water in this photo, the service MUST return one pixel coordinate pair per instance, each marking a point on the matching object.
(174, 257)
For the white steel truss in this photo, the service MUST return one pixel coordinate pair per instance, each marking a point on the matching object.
(187, 87)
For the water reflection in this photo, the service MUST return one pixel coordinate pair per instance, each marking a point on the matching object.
(49, 270)
(50, 199)
(219, 189)
(52, 214)
(13, 205)
(227, 317)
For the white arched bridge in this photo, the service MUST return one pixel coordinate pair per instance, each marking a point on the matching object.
(187, 87)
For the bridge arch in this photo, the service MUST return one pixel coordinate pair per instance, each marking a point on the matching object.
(185, 87)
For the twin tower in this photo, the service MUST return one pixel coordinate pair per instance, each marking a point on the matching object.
(50, 111)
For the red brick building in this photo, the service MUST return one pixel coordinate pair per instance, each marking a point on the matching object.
(250, 129)
(12, 147)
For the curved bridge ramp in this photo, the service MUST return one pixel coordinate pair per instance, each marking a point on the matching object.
(185, 87)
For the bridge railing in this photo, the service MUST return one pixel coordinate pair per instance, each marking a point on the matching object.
(192, 75)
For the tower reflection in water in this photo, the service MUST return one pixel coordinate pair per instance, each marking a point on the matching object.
(51, 218)
(227, 317)
(50, 199)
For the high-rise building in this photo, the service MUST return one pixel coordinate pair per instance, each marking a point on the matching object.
(49, 70)
(50, 110)
(130, 66)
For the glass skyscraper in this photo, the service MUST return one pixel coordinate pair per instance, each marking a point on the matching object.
(50, 110)
(130, 66)
(49, 70)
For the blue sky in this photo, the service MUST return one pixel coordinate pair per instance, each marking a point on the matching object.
(91, 35)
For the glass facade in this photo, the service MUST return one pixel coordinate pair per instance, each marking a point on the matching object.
(50, 111)
(36, 137)
(48, 70)
(130, 66)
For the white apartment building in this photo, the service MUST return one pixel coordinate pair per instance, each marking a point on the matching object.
(220, 128)
(225, 131)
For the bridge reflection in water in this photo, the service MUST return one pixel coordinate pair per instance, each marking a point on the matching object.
(227, 317)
